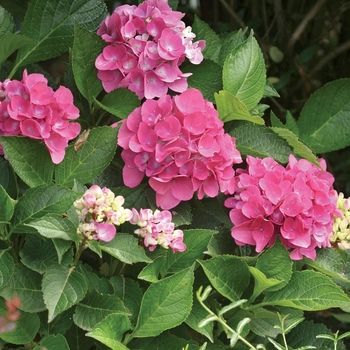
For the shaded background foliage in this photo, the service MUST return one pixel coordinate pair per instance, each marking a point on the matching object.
(305, 44)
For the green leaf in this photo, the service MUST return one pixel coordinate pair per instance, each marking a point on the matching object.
(26, 284)
(93, 280)
(62, 249)
(231, 108)
(55, 226)
(86, 47)
(276, 263)
(309, 291)
(95, 307)
(125, 248)
(90, 159)
(165, 304)
(228, 274)
(205, 77)
(30, 159)
(110, 331)
(261, 282)
(299, 148)
(324, 120)
(7, 267)
(62, 287)
(51, 26)
(39, 201)
(7, 25)
(8, 178)
(38, 254)
(151, 272)
(6, 205)
(244, 73)
(12, 42)
(259, 141)
(120, 102)
(229, 41)
(26, 329)
(77, 340)
(270, 91)
(196, 243)
(53, 341)
(212, 40)
(129, 291)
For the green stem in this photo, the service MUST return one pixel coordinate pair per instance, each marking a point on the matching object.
(80, 251)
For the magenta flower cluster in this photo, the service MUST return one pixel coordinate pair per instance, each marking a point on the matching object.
(157, 228)
(31, 108)
(146, 45)
(100, 211)
(296, 203)
(180, 145)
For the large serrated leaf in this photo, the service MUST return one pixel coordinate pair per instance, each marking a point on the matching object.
(119, 102)
(125, 248)
(7, 267)
(90, 159)
(165, 304)
(205, 77)
(7, 25)
(110, 331)
(231, 108)
(26, 329)
(229, 41)
(62, 288)
(212, 40)
(196, 243)
(26, 284)
(260, 141)
(6, 205)
(8, 178)
(244, 73)
(228, 274)
(86, 47)
(53, 341)
(309, 291)
(39, 201)
(299, 148)
(12, 42)
(30, 159)
(51, 25)
(95, 307)
(324, 122)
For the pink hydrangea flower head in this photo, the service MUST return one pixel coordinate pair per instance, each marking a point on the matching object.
(99, 211)
(146, 44)
(297, 203)
(31, 108)
(181, 146)
(157, 228)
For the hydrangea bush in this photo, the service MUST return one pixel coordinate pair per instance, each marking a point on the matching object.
(148, 201)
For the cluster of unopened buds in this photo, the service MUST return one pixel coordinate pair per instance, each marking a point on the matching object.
(146, 45)
(32, 108)
(296, 203)
(7, 322)
(180, 144)
(340, 236)
(157, 228)
(100, 211)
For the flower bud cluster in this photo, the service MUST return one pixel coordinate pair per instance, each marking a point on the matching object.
(180, 145)
(100, 211)
(146, 45)
(340, 235)
(156, 228)
(296, 203)
(31, 108)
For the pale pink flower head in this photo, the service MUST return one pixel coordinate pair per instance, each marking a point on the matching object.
(180, 145)
(297, 203)
(157, 229)
(31, 108)
(146, 45)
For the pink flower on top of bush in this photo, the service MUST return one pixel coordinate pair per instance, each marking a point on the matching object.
(146, 45)
(296, 203)
(179, 143)
(31, 108)
(156, 228)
